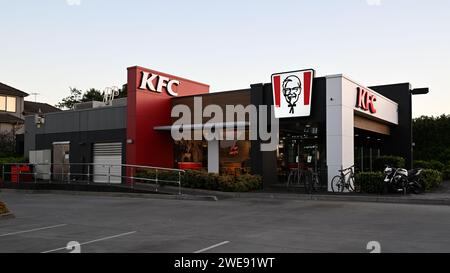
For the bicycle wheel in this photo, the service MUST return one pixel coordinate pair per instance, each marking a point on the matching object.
(337, 185)
(315, 183)
(351, 184)
(306, 184)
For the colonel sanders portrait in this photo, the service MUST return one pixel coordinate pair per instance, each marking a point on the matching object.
(292, 89)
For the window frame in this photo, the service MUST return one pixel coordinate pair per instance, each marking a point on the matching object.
(6, 100)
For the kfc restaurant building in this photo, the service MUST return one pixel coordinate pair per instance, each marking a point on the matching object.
(325, 124)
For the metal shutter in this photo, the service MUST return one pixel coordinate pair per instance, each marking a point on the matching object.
(107, 155)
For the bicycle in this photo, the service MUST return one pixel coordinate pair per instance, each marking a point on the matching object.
(340, 182)
(312, 183)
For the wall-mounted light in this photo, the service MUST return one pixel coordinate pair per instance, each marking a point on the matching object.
(130, 141)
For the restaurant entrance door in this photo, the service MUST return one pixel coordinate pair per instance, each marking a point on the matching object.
(298, 158)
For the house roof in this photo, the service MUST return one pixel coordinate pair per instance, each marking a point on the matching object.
(31, 108)
(11, 91)
(7, 118)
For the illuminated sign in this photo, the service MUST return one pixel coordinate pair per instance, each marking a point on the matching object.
(292, 93)
(156, 83)
(365, 100)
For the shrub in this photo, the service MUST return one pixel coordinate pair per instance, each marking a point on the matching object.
(436, 165)
(432, 164)
(370, 182)
(394, 161)
(431, 179)
(207, 181)
(422, 164)
(3, 208)
(446, 172)
(6, 160)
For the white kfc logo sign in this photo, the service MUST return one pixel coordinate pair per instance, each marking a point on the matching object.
(292, 93)
(149, 80)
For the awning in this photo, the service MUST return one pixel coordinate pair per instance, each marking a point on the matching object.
(200, 126)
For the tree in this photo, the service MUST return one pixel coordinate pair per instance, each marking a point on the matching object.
(432, 138)
(92, 94)
(69, 101)
(7, 144)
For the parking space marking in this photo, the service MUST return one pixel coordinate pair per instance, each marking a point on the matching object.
(93, 241)
(32, 230)
(213, 246)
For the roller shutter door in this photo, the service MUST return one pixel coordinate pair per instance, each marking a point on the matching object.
(107, 155)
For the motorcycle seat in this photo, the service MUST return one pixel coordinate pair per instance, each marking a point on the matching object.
(414, 172)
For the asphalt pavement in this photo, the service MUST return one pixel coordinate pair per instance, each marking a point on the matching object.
(49, 222)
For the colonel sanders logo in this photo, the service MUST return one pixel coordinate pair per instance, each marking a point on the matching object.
(296, 88)
(292, 89)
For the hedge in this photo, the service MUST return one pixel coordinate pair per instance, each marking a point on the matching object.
(369, 182)
(446, 172)
(207, 181)
(432, 164)
(5, 160)
(431, 179)
(380, 163)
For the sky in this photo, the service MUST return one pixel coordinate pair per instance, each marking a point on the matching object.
(47, 46)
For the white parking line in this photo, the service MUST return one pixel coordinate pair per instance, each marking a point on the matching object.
(31, 230)
(213, 246)
(94, 241)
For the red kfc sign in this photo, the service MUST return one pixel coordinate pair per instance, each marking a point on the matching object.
(365, 100)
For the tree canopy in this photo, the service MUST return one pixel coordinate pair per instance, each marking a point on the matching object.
(432, 138)
(92, 94)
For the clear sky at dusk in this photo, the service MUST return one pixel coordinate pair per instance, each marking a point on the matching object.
(48, 45)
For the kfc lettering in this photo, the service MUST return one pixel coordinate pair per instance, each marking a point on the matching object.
(366, 100)
(148, 82)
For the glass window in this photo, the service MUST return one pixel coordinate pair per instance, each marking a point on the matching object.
(2, 103)
(191, 154)
(234, 156)
(11, 104)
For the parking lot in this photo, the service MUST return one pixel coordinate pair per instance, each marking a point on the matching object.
(103, 223)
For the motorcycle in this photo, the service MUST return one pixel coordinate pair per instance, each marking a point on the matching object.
(401, 180)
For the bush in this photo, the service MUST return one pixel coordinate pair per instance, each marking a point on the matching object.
(163, 176)
(3, 208)
(370, 182)
(432, 164)
(207, 181)
(422, 164)
(446, 172)
(5, 160)
(431, 179)
(394, 161)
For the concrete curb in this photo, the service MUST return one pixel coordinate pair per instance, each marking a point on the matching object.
(206, 195)
(320, 197)
(7, 216)
(363, 199)
(120, 194)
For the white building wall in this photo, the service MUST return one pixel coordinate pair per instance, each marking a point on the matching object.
(341, 106)
(340, 127)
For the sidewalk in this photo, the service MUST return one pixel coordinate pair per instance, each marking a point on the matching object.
(440, 196)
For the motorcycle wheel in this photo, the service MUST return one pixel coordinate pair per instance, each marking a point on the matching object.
(416, 188)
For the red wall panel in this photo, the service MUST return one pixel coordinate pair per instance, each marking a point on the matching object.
(147, 109)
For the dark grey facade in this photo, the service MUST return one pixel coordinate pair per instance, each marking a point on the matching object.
(82, 128)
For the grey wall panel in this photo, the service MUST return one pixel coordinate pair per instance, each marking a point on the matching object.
(78, 121)
(30, 135)
(105, 118)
